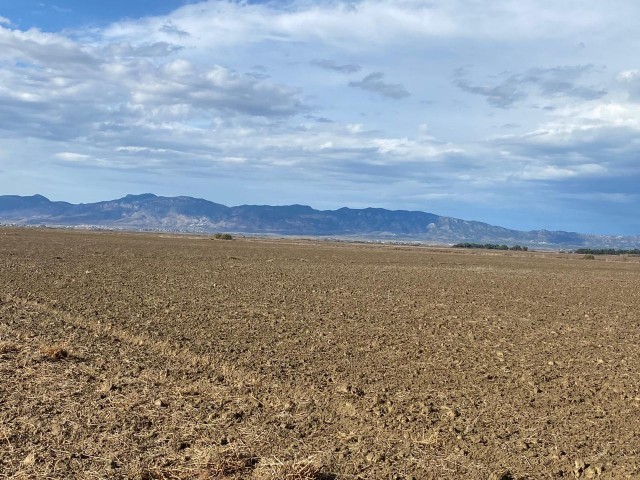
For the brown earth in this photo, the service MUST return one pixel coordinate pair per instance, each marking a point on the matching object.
(161, 357)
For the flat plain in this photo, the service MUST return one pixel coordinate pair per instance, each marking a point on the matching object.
(175, 357)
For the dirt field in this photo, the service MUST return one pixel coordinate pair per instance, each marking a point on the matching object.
(157, 357)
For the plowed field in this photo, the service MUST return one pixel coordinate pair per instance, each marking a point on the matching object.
(164, 357)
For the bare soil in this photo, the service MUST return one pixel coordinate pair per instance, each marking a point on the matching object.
(164, 357)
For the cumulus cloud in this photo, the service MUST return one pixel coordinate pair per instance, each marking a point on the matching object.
(141, 106)
(180, 99)
(576, 147)
(55, 87)
(42, 48)
(374, 83)
(217, 88)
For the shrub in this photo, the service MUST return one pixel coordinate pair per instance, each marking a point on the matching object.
(490, 246)
(223, 236)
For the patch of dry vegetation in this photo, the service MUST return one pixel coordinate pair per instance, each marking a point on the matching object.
(275, 469)
(8, 347)
(54, 352)
(233, 460)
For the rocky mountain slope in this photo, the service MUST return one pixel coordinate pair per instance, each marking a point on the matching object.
(187, 214)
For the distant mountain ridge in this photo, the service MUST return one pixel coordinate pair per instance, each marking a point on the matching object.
(186, 214)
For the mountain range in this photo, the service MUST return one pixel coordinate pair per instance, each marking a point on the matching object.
(186, 214)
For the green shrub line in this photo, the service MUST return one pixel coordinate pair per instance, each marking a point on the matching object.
(491, 246)
(580, 251)
(606, 251)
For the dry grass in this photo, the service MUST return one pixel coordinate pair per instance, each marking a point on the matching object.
(8, 347)
(54, 352)
(234, 460)
(276, 469)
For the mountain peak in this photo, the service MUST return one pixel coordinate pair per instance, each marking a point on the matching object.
(186, 214)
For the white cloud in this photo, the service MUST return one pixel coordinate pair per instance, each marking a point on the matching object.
(370, 23)
(419, 149)
(259, 94)
(55, 87)
(42, 48)
(629, 75)
(72, 157)
(553, 172)
(133, 149)
(630, 81)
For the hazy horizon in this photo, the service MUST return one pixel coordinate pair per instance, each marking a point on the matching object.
(311, 206)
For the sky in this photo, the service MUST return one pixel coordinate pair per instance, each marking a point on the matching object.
(519, 113)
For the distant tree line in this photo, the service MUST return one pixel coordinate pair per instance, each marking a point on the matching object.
(491, 246)
(606, 251)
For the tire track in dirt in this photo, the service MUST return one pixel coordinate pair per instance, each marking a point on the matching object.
(236, 386)
(157, 347)
(233, 453)
(377, 438)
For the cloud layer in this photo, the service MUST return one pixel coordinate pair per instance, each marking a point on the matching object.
(472, 109)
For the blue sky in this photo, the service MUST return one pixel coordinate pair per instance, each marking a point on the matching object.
(524, 114)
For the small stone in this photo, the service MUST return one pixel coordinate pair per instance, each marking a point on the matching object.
(579, 467)
(449, 413)
(590, 472)
(343, 388)
(29, 460)
(160, 403)
(372, 457)
(56, 429)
